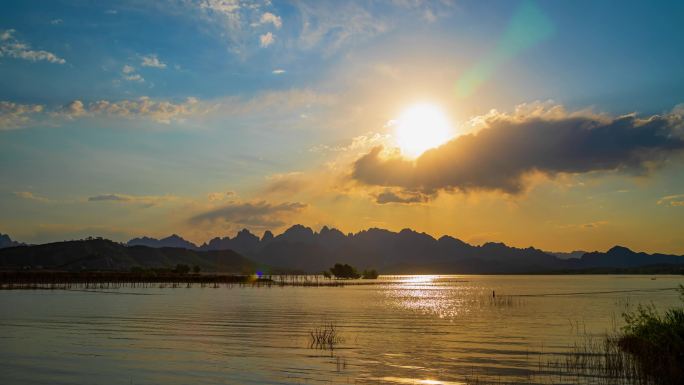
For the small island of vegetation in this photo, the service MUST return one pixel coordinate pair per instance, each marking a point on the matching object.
(345, 271)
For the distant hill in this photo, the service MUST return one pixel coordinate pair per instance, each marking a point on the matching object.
(622, 257)
(567, 255)
(300, 248)
(6, 241)
(102, 254)
(170, 241)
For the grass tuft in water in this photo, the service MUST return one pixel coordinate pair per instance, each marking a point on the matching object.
(326, 336)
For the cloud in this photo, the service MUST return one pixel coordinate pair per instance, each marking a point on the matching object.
(266, 39)
(152, 61)
(161, 111)
(257, 214)
(11, 47)
(333, 28)
(219, 196)
(585, 226)
(74, 109)
(31, 196)
(511, 147)
(56, 21)
(278, 71)
(237, 21)
(403, 197)
(288, 183)
(672, 200)
(144, 200)
(358, 143)
(268, 17)
(14, 115)
(128, 73)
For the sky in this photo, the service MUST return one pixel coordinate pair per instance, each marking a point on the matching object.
(560, 123)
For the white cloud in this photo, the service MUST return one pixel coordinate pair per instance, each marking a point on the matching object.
(333, 28)
(128, 73)
(11, 47)
(152, 61)
(268, 17)
(266, 39)
(226, 7)
(278, 71)
(14, 115)
(56, 21)
(134, 78)
(159, 111)
(239, 22)
(74, 109)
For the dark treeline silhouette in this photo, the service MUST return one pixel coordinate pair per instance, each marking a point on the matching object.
(344, 271)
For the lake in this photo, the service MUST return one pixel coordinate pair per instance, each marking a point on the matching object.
(400, 330)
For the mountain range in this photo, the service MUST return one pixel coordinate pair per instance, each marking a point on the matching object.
(301, 249)
(407, 251)
(103, 254)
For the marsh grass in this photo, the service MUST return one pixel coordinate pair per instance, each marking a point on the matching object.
(326, 336)
(656, 342)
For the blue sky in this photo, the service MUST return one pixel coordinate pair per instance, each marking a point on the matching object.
(162, 105)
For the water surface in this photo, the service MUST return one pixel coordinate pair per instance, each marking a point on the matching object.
(405, 330)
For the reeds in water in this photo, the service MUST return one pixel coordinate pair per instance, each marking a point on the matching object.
(326, 336)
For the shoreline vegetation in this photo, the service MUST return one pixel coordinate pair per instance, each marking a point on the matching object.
(180, 276)
(647, 350)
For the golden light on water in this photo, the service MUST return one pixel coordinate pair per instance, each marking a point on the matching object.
(421, 127)
(402, 380)
(420, 278)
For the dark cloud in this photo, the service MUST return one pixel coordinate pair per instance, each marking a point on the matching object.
(258, 214)
(109, 197)
(389, 196)
(499, 156)
(139, 200)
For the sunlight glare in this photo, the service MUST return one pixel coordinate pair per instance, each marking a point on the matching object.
(421, 127)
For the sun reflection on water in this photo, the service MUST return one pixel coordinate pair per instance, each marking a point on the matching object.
(420, 278)
(401, 380)
(444, 297)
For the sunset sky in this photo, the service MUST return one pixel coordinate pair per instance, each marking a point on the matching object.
(556, 124)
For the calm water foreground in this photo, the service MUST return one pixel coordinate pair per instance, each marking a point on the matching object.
(404, 330)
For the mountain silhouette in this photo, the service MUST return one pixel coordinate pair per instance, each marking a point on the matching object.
(407, 251)
(6, 241)
(623, 257)
(103, 254)
(301, 249)
(170, 241)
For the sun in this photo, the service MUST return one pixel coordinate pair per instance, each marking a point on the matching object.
(421, 127)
